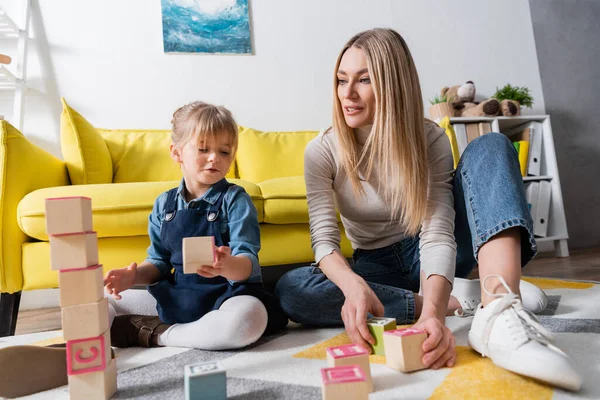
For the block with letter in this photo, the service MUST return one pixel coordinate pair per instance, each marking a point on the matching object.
(88, 355)
(73, 250)
(205, 381)
(344, 383)
(100, 385)
(85, 320)
(404, 349)
(377, 326)
(350, 354)
(68, 215)
(198, 251)
(81, 285)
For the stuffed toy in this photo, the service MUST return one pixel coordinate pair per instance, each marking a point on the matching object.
(462, 98)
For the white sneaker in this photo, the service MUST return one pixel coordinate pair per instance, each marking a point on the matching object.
(468, 294)
(513, 339)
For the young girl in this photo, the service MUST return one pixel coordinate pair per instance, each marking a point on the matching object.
(222, 306)
(415, 222)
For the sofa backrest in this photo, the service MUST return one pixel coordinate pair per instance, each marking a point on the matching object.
(143, 156)
(95, 155)
(268, 155)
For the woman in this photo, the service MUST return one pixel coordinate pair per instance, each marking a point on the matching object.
(415, 223)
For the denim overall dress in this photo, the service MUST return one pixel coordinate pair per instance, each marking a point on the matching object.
(183, 297)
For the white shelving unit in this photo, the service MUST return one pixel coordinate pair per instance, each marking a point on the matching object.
(557, 223)
(14, 76)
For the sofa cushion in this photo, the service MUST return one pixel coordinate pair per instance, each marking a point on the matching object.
(268, 155)
(118, 209)
(285, 200)
(83, 149)
(143, 156)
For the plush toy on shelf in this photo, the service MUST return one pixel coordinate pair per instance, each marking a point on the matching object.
(462, 98)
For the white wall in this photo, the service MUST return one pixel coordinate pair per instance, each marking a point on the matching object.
(106, 58)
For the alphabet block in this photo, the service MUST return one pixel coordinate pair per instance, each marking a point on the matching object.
(82, 285)
(88, 355)
(351, 354)
(197, 251)
(73, 250)
(344, 383)
(404, 349)
(205, 381)
(98, 385)
(85, 320)
(68, 215)
(377, 326)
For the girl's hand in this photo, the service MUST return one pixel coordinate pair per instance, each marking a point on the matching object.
(360, 300)
(119, 280)
(439, 347)
(221, 267)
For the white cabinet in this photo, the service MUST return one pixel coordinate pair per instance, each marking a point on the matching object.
(557, 225)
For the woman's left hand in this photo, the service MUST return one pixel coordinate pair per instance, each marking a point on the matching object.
(439, 347)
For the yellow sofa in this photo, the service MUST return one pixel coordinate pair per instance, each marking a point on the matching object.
(123, 171)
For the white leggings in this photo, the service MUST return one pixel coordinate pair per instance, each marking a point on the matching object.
(240, 321)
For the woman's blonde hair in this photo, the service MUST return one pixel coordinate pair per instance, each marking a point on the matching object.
(202, 122)
(396, 149)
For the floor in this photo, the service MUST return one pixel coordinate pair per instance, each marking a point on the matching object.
(581, 265)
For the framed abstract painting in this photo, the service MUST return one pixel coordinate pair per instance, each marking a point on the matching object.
(206, 26)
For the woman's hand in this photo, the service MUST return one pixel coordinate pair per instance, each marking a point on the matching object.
(439, 347)
(119, 280)
(360, 300)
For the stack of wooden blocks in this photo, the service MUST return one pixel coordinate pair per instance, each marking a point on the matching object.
(348, 376)
(85, 322)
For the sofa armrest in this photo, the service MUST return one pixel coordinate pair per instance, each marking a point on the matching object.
(24, 167)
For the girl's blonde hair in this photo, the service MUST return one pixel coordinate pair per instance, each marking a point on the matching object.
(396, 149)
(202, 122)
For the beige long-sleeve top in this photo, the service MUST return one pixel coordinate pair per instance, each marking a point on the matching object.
(366, 220)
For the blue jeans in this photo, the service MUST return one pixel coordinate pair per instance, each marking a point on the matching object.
(489, 197)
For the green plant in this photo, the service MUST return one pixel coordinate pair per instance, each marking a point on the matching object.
(441, 99)
(520, 94)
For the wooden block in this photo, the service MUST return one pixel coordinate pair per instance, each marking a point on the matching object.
(198, 251)
(205, 381)
(85, 320)
(99, 385)
(80, 286)
(344, 383)
(351, 354)
(404, 349)
(377, 326)
(68, 215)
(88, 355)
(73, 251)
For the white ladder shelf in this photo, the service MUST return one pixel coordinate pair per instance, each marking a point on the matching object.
(16, 79)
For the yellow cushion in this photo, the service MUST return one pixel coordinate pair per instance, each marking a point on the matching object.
(143, 156)
(445, 123)
(84, 150)
(268, 155)
(285, 200)
(118, 209)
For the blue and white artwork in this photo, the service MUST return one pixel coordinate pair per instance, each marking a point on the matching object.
(206, 26)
